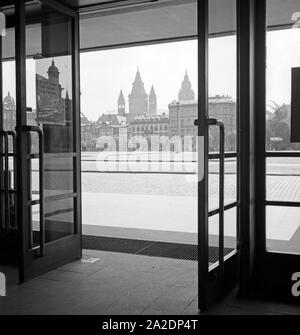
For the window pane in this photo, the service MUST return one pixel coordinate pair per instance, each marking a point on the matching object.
(283, 229)
(283, 179)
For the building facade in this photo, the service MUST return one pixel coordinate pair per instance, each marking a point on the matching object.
(150, 126)
(184, 111)
(9, 113)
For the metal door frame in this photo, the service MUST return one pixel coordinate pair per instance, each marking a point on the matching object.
(215, 282)
(271, 280)
(69, 247)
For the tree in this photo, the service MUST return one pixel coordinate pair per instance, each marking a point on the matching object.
(278, 127)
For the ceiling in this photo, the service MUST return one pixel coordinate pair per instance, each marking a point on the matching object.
(88, 3)
(163, 19)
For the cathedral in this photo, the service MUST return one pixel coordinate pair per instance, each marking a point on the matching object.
(140, 103)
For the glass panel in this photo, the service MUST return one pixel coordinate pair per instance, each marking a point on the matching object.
(8, 110)
(283, 179)
(146, 187)
(58, 172)
(49, 83)
(283, 229)
(59, 220)
(230, 181)
(283, 49)
(283, 176)
(222, 105)
(230, 235)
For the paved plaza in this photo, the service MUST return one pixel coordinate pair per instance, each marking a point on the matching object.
(168, 201)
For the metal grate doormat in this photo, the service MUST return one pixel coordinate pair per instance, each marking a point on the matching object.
(149, 248)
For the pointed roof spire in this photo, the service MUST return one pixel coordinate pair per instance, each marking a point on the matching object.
(121, 97)
(152, 92)
(138, 77)
(138, 85)
(186, 92)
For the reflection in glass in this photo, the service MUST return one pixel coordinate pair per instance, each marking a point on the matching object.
(49, 106)
(7, 114)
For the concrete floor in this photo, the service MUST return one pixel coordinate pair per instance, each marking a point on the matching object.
(107, 283)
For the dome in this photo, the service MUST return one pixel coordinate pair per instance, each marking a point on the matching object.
(53, 70)
(9, 102)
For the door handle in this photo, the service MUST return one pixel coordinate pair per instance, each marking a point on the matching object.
(215, 122)
(40, 133)
(4, 134)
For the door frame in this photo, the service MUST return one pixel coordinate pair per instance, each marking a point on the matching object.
(211, 284)
(271, 280)
(69, 247)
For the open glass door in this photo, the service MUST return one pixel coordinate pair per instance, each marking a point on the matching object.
(8, 224)
(218, 150)
(48, 140)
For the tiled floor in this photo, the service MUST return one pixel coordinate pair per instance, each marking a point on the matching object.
(122, 284)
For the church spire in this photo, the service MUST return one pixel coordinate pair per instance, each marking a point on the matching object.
(152, 102)
(121, 104)
(138, 85)
(186, 92)
(138, 98)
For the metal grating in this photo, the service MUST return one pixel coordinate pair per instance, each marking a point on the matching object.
(149, 248)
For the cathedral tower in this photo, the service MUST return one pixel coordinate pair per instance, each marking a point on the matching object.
(138, 98)
(121, 104)
(152, 102)
(186, 92)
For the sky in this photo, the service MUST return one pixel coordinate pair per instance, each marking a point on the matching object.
(105, 73)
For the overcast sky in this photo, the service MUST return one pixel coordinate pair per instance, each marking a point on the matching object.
(105, 73)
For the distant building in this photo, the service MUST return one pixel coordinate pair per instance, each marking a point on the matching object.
(223, 108)
(112, 119)
(121, 105)
(86, 133)
(149, 125)
(182, 115)
(139, 102)
(186, 93)
(54, 112)
(110, 125)
(9, 113)
(184, 111)
(152, 102)
(138, 98)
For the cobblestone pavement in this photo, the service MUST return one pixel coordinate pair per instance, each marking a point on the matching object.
(283, 180)
(283, 188)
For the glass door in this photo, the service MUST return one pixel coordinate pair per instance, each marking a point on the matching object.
(8, 224)
(48, 140)
(218, 150)
(279, 158)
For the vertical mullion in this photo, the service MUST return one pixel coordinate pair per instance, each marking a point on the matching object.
(22, 186)
(260, 127)
(250, 139)
(1, 139)
(203, 265)
(76, 120)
